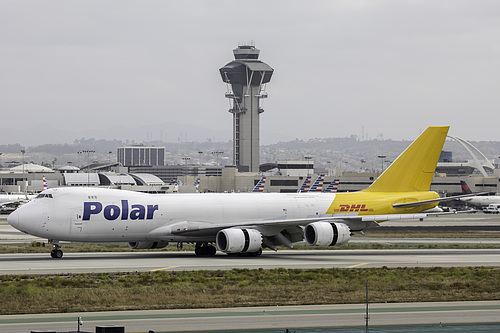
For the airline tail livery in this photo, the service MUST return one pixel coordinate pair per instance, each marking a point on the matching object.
(259, 187)
(318, 184)
(333, 187)
(306, 185)
(237, 223)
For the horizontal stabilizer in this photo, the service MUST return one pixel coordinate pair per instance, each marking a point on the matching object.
(424, 202)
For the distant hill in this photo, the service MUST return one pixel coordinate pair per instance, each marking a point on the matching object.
(347, 153)
(164, 132)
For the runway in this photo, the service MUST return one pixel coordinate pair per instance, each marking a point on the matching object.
(40, 263)
(312, 318)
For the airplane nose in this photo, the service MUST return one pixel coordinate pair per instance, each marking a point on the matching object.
(13, 219)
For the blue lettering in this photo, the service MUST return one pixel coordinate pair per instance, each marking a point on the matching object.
(138, 212)
(90, 208)
(151, 211)
(111, 212)
(124, 209)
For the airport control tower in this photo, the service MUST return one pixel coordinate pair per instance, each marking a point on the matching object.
(246, 77)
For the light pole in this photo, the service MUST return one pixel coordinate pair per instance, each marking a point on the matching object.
(307, 158)
(24, 184)
(199, 153)
(382, 158)
(217, 153)
(88, 152)
(185, 159)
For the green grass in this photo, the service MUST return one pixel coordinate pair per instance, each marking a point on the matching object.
(242, 287)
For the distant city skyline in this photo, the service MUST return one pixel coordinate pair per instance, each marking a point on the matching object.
(343, 153)
(366, 68)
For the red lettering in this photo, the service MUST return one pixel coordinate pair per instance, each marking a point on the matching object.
(355, 208)
(344, 208)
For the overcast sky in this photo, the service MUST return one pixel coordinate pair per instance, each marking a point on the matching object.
(340, 67)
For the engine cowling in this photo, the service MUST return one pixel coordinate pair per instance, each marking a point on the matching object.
(327, 234)
(234, 240)
(147, 245)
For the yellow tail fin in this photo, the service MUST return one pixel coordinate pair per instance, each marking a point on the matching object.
(414, 168)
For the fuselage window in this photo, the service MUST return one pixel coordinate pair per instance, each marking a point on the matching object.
(44, 195)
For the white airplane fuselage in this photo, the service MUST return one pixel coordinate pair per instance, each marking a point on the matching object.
(482, 200)
(10, 198)
(107, 215)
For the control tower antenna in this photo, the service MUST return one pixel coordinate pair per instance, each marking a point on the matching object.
(247, 77)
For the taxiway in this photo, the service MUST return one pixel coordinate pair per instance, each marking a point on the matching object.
(40, 263)
(269, 319)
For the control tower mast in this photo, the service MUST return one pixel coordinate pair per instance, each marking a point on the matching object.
(246, 77)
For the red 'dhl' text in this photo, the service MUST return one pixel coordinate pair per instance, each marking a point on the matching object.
(353, 208)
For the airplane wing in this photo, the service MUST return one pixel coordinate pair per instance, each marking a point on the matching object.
(274, 226)
(424, 202)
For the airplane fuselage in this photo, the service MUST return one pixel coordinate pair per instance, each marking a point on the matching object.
(482, 200)
(106, 215)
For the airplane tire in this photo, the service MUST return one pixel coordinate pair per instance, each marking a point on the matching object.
(211, 250)
(256, 253)
(56, 254)
(246, 254)
(207, 250)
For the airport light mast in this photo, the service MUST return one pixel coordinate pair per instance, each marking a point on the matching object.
(246, 78)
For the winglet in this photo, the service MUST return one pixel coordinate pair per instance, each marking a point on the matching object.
(414, 169)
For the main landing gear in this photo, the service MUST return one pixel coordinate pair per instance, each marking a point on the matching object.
(56, 252)
(246, 254)
(203, 249)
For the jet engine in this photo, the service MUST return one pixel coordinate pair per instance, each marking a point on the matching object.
(147, 245)
(234, 240)
(327, 234)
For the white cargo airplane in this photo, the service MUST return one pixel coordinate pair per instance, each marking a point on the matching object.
(239, 223)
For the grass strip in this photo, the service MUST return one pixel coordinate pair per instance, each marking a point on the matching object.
(243, 287)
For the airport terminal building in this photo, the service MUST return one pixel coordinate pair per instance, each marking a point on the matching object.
(281, 178)
(139, 155)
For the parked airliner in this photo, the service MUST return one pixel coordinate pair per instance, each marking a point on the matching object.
(478, 200)
(238, 223)
(9, 202)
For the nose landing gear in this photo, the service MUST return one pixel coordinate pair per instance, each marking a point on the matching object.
(56, 252)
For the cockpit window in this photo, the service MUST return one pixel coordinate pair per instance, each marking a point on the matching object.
(44, 195)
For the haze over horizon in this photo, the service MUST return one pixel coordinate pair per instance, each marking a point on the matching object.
(149, 70)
